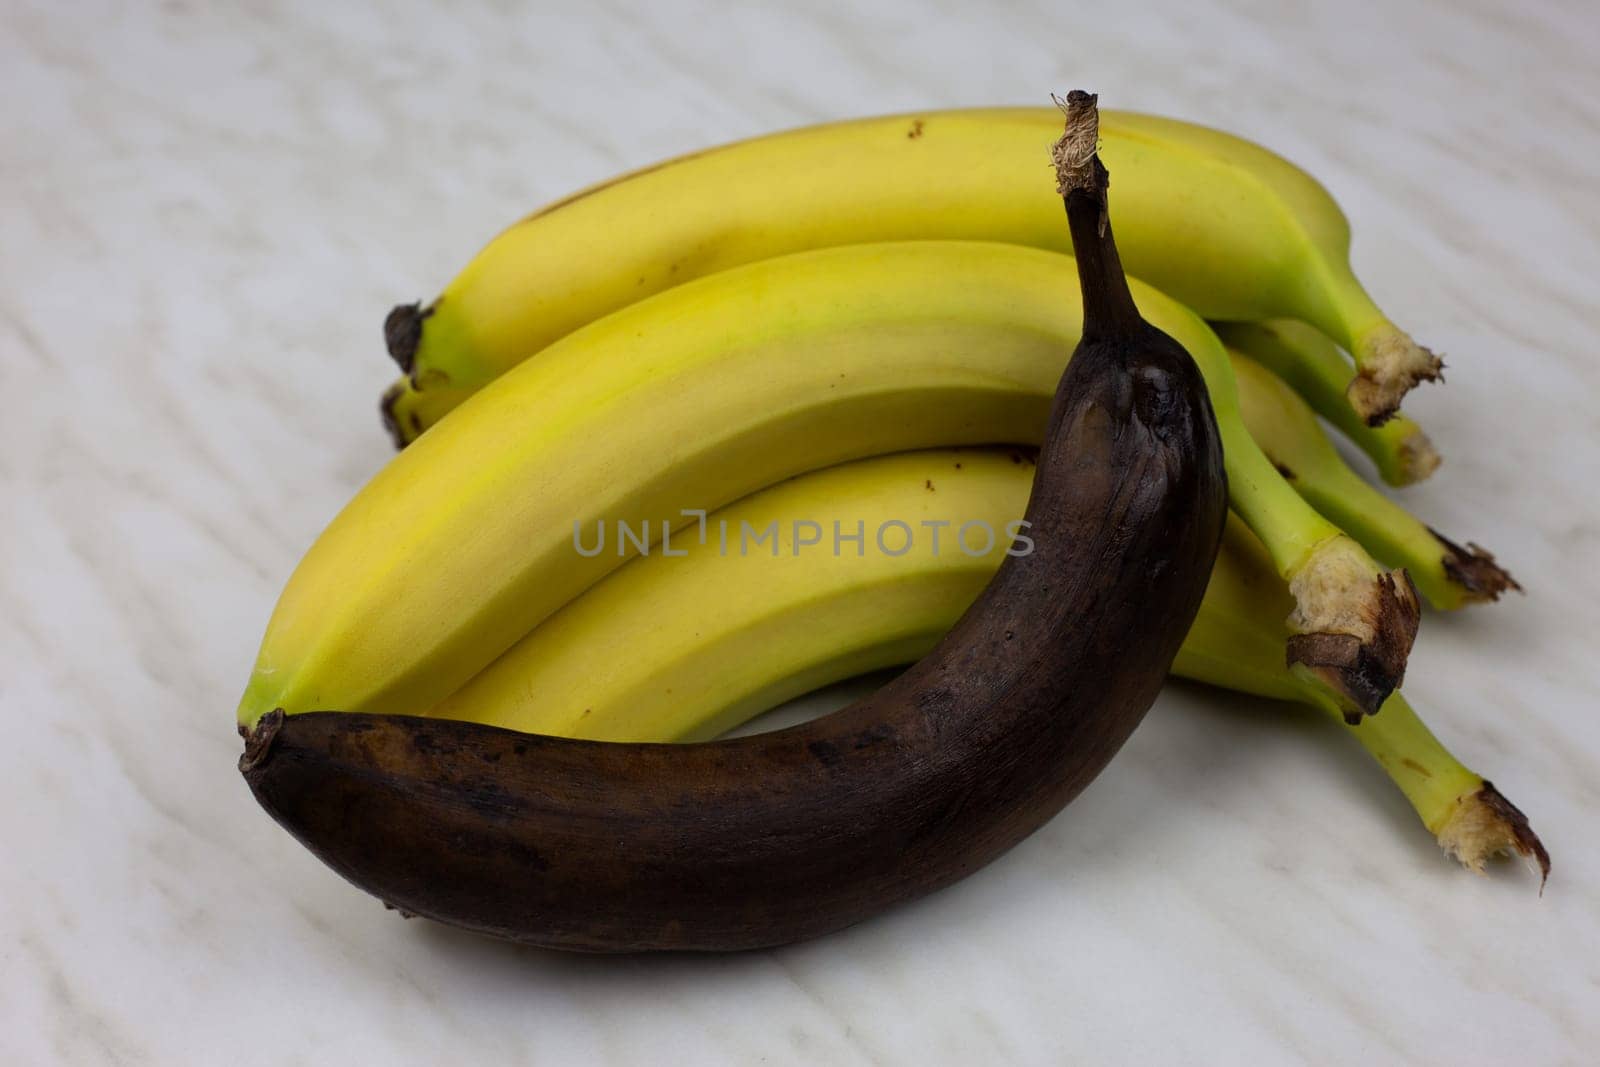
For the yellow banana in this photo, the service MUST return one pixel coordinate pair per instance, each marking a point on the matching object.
(1449, 575)
(718, 388)
(869, 567)
(1221, 224)
(814, 604)
(1318, 371)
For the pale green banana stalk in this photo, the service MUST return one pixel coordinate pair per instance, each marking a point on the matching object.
(1316, 369)
(1449, 575)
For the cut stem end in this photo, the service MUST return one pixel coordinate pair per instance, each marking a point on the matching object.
(1074, 154)
(1351, 630)
(1416, 459)
(1485, 824)
(1391, 364)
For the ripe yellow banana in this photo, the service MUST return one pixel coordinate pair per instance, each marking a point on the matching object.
(1318, 371)
(1449, 575)
(1221, 224)
(715, 389)
(686, 648)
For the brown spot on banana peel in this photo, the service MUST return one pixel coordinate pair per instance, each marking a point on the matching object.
(771, 838)
(1473, 568)
(1363, 672)
(402, 332)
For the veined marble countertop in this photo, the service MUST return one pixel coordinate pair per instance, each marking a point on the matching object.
(203, 218)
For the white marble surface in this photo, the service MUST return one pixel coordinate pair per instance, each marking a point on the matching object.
(204, 216)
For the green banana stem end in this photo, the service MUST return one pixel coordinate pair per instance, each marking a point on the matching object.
(402, 333)
(1472, 567)
(1354, 646)
(1313, 365)
(1484, 824)
(1391, 364)
(1468, 817)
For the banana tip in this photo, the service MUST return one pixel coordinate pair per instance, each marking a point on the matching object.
(402, 333)
(258, 742)
(401, 431)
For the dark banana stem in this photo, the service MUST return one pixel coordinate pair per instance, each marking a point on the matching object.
(1082, 181)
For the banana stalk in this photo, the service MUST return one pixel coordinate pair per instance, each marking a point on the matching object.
(715, 389)
(1449, 575)
(1268, 241)
(1316, 369)
(872, 563)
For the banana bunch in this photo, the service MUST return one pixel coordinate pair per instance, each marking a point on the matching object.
(719, 387)
(837, 325)
(1268, 242)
